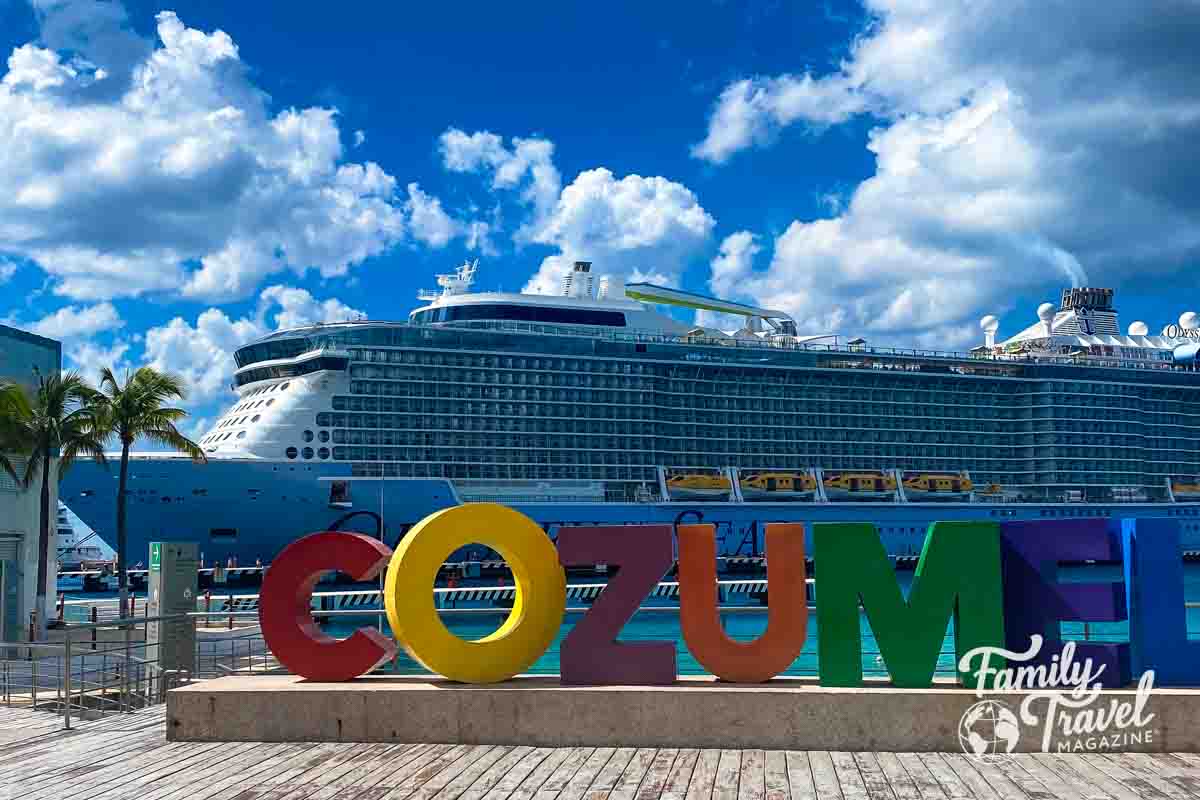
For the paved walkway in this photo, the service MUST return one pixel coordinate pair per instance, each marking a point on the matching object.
(128, 757)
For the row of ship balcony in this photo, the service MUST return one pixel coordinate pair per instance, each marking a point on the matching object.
(1072, 357)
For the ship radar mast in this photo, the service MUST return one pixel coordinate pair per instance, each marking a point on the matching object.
(458, 282)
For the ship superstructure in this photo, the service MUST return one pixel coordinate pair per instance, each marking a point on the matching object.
(590, 405)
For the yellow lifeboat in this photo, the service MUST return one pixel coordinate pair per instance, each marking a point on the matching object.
(777, 486)
(698, 486)
(1188, 492)
(932, 485)
(859, 485)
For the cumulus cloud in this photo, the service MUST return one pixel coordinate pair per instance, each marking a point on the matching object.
(752, 111)
(202, 352)
(7, 270)
(73, 322)
(526, 166)
(128, 167)
(641, 229)
(1019, 145)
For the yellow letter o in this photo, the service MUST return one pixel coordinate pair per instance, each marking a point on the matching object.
(537, 613)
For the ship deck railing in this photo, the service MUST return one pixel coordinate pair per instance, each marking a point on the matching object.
(819, 347)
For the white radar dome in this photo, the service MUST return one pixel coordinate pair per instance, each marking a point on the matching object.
(1189, 320)
(1045, 312)
(1138, 329)
(989, 324)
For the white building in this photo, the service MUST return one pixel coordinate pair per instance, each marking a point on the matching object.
(22, 356)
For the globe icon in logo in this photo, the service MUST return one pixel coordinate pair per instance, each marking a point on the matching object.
(988, 728)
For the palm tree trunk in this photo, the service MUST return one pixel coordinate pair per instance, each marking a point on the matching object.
(43, 548)
(122, 543)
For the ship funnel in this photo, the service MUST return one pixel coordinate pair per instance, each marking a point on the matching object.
(1045, 313)
(1138, 328)
(989, 325)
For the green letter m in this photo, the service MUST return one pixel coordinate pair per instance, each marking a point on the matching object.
(958, 577)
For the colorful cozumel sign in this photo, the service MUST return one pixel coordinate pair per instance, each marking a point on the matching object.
(997, 582)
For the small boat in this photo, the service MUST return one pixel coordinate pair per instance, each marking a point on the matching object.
(1186, 492)
(860, 486)
(699, 487)
(933, 486)
(778, 486)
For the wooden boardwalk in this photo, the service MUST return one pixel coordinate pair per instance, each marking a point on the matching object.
(127, 757)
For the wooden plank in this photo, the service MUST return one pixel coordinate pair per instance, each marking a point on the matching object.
(963, 768)
(775, 776)
(1050, 779)
(495, 773)
(927, 785)
(800, 776)
(654, 783)
(606, 779)
(680, 776)
(997, 780)
(529, 785)
(873, 777)
(849, 778)
(629, 784)
(474, 760)
(725, 785)
(1109, 785)
(950, 783)
(752, 779)
(462, 779)
(704, 775)
(557, 781)
(1145, 768)
(1022, 778)
(898, 779)
(586, 774)
(825, 777)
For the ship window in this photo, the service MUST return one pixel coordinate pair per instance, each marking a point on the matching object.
(308, 452)
(241, 435)
(86, 493)
(200, 492)
(523, 313)
(323, 452)
(256, 418)
(223, 533)
(292, 452)
(308, 436)
(271, 401)
(323, 436)
(283, 387)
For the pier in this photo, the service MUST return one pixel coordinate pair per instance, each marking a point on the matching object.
(127, 756)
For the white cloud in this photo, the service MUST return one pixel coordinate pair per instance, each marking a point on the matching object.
(128, 168)
(1020, 146)
(733, 263)
(7, 270)
(90, 358)
(528, 165)
(74, 322)
(641, 229)
(752, 111)
(203, 352)
(428, 221)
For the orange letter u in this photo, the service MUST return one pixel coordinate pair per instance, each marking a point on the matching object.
(787, 611)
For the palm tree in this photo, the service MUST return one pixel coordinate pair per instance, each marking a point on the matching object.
(137, 410)
(59, 419)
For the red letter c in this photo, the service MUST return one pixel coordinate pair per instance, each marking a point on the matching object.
(285, 612)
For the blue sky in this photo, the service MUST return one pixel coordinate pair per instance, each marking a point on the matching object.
(177, 179)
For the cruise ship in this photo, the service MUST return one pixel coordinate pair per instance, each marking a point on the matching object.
(597, 406)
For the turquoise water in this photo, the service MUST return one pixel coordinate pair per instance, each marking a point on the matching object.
(746, 625)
